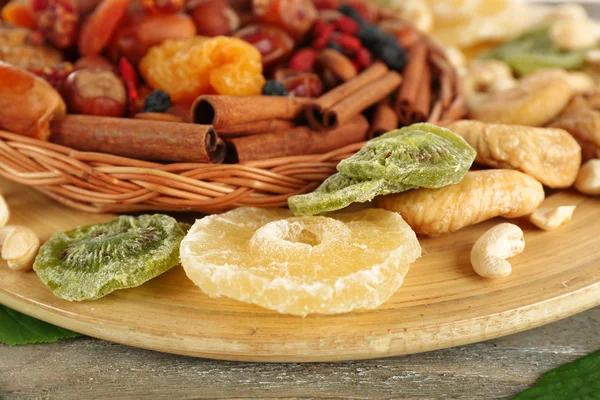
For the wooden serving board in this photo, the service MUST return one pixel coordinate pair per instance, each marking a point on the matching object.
(443, 303)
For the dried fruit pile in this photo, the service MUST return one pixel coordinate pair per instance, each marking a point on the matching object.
(292, 44)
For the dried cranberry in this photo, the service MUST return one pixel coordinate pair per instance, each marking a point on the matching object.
(57, 20)
(363, 57)
(273, 43)
(304, 60)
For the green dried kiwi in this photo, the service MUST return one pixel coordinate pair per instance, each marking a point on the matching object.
(527, 63)
(89, 262)
(420, 155)
(533, 51)
(339, 191)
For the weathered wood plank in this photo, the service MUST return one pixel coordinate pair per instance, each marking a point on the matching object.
(88, 368)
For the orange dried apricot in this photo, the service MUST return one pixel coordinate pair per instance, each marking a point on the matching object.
(187, 68)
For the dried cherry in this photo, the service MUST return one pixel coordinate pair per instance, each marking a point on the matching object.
(294, 16)
(137, 33)
(301, 84)
(273, 43)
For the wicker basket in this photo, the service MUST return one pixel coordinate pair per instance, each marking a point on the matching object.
(96, 182)
(104, 183)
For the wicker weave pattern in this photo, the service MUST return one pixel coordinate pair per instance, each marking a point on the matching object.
(97, 182)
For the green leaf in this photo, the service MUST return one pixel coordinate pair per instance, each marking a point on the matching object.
(577, 380)
(17, 328)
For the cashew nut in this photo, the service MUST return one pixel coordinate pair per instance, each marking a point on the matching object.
(4, 211)
(573, 33)
(490, 251)
(566, 11)
(550, 218)
(588, 180)
(488, 76)
(20, 247)
(580, 82)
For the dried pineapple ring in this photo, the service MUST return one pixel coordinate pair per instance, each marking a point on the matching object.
(300, 266)
(187, 68)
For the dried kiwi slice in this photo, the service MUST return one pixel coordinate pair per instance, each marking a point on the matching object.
(534, 50)
(90, 262)
(339, 191)
(527, 63)
(421, 155)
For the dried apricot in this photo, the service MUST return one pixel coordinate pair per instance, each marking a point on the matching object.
(98, 28)
(190, 67)
(19, 14)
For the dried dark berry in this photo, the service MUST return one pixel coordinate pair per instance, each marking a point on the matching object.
(351, 12)
(393, 57)
(334, 46)
(274, 88)
(371, 36)
(157, 101)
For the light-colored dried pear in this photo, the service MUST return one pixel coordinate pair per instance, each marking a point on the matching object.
(536, 100)
(581, 119)
(550, 155)
(480, 196)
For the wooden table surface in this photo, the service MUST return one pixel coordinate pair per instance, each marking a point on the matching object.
(86, 368)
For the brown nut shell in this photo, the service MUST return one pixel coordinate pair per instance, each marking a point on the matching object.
(97, 92)
(27, 103)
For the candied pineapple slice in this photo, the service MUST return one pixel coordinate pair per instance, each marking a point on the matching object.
(301, 265)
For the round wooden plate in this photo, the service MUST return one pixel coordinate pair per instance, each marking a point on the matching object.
(442, 303)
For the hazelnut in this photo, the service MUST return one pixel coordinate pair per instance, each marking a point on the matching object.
(94, 91)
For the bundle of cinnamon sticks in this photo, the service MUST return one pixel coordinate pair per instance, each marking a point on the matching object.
(241, 129)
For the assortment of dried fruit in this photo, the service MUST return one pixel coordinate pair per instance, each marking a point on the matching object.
(264, 79)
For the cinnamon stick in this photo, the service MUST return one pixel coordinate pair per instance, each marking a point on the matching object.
(384, 120)
(140, 139)
(253, 128)
(299, 141)
(414, 96)
(222, 111)
(155, 116)
(315, 111)
(360, 100)
(337, 63)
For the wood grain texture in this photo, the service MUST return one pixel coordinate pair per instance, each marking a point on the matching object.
(442, 304)
(87, 368)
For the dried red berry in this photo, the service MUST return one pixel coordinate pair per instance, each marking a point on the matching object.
(57, 20)
(363, 57)
(304, 60)
(321, 41)
(318, 28)
(348, 42)
(347, 25)
(327, 4)
(130, 79)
